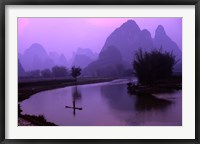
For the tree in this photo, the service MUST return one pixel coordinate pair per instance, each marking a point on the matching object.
(75, 72)
(46, 73)
(59, 71)
(153, 66)
(33, 73)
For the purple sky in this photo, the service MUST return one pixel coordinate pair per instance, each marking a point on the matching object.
(65, 35)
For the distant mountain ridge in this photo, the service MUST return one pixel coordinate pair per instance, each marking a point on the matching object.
(161, 40)
(127, 39)
(115, 58)
(35, 57)
(82, 57)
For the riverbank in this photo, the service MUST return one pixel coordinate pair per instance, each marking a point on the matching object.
(28, 88)
(23, 122)
(32, 120)
(164, 86)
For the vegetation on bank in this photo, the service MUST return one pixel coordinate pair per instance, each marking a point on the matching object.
(150, 67)
(160, 87)
(56, 71)
(28, 88)
(36, 120)
(75, 72)
(154, 71)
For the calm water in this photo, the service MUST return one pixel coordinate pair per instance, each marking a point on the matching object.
(104, 104)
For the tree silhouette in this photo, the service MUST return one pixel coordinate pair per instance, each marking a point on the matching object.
(46, 73)
(33, 73)
(153, 66)
(75, 72)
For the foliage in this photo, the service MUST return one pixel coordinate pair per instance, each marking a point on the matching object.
(33, 73)
(75, 72)
(46, 73)
(153, 66)
(59, 71)
(37, 120)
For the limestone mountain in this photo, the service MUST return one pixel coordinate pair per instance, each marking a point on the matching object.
(163, 41)
(36, 57)
(127, 39)
(82, 57)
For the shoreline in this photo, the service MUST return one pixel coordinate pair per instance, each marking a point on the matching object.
(28, 89)
(31, 88)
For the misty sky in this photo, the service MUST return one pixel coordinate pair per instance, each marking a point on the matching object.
(65, 35)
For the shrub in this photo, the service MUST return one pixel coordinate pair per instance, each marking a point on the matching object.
(149, 67)
(59, 71)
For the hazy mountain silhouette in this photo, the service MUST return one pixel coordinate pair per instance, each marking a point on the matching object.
(161, 40)
(143, 40)
(35, 57)
(87, 52)
(123, 38)
(81, 61)
(59, 60)
(115, 57)
(128, 38)
(82, 57)
(105, 65)
(21, 71)
(20, 56)
(62, 61)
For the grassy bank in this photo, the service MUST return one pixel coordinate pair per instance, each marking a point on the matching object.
(28, 88)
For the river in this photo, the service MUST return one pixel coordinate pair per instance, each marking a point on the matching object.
(104, 104)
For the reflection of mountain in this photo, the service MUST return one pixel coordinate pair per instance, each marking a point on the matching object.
(118, 98)
(35, 57)
(127, 39)
(148, 103)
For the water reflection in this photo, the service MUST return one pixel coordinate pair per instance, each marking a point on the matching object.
(76, 95)
(150, 102)
(117, 97)
(120, 99)
(104, 104)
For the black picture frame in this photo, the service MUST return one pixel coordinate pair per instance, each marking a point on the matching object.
(3, 4)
